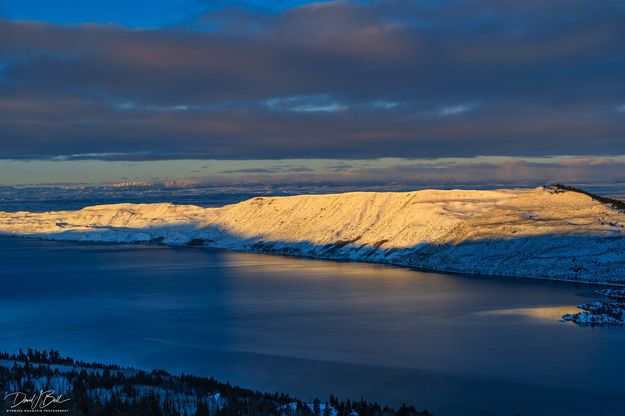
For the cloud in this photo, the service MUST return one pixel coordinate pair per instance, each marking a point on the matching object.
(453, 110)
(305, 104)
(387, 105)
(405, 174)
(271, 170)
(384, 78)
(507, 172)
(339, 167)
(397, 173)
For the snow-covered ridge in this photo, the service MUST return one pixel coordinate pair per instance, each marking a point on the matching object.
(542, 232)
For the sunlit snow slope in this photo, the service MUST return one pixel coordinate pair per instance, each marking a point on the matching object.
(541, 232)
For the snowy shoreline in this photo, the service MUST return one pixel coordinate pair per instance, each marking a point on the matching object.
(545, 233)
(336, 259)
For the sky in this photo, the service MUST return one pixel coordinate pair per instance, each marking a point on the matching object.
(500, 91)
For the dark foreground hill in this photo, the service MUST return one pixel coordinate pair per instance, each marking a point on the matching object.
(42, 382)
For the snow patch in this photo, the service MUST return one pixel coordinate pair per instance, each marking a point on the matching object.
(542, 233)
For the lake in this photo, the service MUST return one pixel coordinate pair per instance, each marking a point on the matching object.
(455, 345)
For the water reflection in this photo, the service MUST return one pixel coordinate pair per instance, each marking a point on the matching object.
(450, 343)
(549, 313)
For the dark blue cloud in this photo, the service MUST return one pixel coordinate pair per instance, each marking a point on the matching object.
(272, 169)
(332, 80)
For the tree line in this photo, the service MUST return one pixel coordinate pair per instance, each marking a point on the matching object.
(96, 389)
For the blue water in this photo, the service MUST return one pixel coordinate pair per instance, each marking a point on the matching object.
(456, 345)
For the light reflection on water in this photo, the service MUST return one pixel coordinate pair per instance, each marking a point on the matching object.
(453, 344)
(550, 313)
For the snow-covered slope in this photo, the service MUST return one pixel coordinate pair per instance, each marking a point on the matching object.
(541, 232)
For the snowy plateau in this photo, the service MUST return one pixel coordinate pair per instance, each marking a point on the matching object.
(546, 232)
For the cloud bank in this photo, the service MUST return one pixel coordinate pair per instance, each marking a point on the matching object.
(342, 80)
(352, 174)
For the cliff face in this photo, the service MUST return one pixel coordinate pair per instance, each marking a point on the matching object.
(543, 232)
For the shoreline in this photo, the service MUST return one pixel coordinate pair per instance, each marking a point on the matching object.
(320, 258)
(551, 233)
